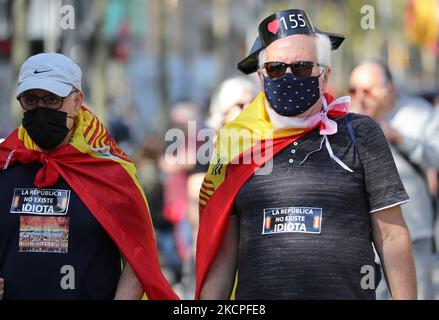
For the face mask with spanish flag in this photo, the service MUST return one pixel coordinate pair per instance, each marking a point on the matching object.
(101, 175)
(243, 147)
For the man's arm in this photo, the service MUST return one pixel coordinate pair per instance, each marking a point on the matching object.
(2, 288)
(221, 276)
(128, 287)
(392, 242)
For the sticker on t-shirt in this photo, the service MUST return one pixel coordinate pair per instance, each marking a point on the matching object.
(52, 202)
(293, 219)
(44, 234)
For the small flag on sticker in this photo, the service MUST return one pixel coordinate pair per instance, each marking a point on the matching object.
(268, 223)
(316, 222)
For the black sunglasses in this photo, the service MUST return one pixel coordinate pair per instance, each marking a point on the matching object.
(300, 69)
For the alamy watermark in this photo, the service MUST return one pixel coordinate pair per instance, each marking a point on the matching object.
(235, 146)
(368, 280)
(67, 17)
(368, 20)
(68, 279)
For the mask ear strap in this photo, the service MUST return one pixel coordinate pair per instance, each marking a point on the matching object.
(334, 157)
(74, 119)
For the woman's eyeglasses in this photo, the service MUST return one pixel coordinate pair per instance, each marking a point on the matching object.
(300, 69)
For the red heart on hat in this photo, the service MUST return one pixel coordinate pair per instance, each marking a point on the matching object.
(273, 26)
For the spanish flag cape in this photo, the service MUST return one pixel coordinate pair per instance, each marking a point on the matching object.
(105, 180)
(243, 147)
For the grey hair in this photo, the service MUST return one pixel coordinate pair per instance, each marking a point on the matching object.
(226, 95)
(323, 45)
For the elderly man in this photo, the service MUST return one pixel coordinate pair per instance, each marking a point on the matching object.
(305, 230)
(70, 203)
(411, 125)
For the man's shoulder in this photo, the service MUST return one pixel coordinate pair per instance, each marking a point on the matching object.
(413, 108)
(411, 101)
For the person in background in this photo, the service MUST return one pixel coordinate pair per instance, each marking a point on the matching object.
(228, 100)
(175, 169)
(411, 126)
(146, 159)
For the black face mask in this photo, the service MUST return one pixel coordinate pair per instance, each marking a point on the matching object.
(46, 127)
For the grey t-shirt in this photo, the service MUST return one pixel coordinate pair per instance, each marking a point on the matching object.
(305, 229)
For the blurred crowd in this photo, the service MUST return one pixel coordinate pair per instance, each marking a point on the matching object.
(173, 189)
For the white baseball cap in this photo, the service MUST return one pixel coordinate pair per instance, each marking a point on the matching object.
(52, 72)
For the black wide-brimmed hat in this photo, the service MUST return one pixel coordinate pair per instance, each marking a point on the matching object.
(280, 25)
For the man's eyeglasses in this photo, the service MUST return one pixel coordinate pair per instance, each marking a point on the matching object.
(300, 69)
(29, 101)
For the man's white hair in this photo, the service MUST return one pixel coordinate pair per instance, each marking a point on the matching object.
(323, 47)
